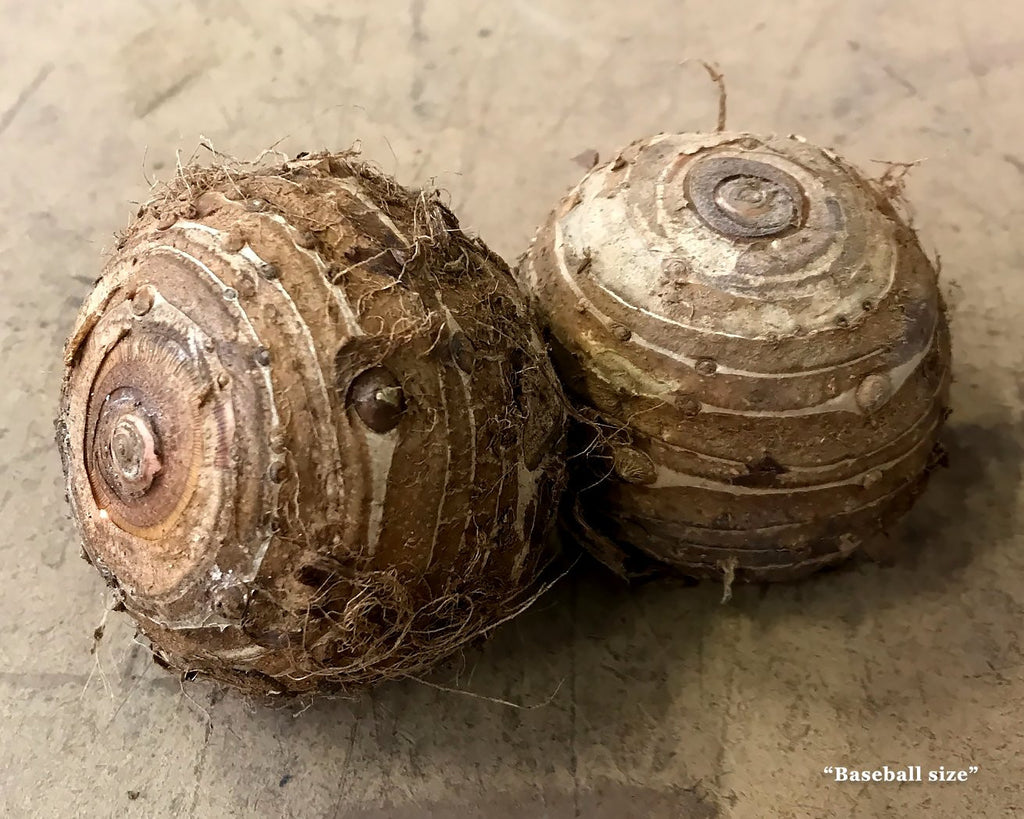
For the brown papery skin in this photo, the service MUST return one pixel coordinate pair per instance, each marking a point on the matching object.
(310, 435)
(757, 349)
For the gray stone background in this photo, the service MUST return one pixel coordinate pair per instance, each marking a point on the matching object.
(654, 703)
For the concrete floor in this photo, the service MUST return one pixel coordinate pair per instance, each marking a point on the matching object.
(658, 702)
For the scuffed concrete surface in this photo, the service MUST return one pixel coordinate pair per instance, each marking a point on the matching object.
(658, 702)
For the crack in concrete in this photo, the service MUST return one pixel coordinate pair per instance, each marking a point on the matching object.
(24, 96)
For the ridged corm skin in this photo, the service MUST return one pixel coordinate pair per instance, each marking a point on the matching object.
(758, 345)
(310, 434)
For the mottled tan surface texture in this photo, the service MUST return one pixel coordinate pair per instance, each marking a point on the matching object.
(655, 703)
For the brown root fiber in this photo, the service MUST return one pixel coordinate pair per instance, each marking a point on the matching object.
(758, 345)
(309, 432)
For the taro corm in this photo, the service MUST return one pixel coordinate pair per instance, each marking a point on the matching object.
(310, 434)
(758, 346)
